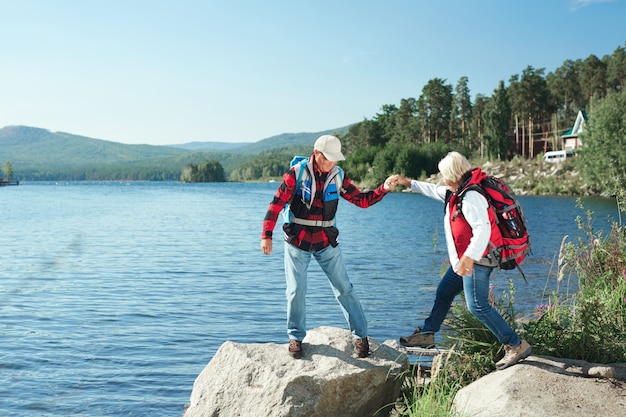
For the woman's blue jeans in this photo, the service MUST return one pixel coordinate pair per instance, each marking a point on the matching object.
(476, 289)
(331, 262)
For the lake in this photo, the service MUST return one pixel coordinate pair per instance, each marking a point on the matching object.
(114, 296)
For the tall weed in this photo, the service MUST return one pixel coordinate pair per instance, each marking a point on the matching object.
(588, 323)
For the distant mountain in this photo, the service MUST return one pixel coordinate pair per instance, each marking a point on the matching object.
(273, 142)
(31, 147)
(37, 153)
(288, 139)
(211, 146)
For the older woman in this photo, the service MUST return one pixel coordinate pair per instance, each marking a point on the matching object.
(468, 232)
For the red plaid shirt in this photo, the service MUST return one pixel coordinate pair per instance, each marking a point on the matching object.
(312, 237)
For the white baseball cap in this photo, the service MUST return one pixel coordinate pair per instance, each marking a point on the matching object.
(330, 146)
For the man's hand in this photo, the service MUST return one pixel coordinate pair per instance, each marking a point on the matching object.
(391, 182)
(266, 246)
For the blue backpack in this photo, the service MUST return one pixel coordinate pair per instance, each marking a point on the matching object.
(304, 183)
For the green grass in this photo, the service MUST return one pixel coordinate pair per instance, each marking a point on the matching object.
(429, 394)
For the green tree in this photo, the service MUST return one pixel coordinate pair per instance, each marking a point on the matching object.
(530, 106)
(406, 129)
(8, 170)
(497, 118)
(603, 156)
(362, 135)
(376, 132)
(207, 171)
(387, 122)
(359, 163)
(593, 78)
(616, 70)
(518, 113)
(422, 121)
(461, 113)
(566, 92)
(383, 164)
(436, 105)
(420, 161)
(478, 123)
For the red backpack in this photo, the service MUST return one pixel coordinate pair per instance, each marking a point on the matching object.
(510, 221)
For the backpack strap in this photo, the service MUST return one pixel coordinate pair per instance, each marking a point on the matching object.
(339, 179)
(299, 167)
(474, 187)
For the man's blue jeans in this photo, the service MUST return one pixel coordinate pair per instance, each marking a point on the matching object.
(331, 262)
(476, 289)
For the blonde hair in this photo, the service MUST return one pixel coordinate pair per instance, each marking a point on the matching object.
(453, 166)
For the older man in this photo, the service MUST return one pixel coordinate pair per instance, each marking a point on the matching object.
(312, 188)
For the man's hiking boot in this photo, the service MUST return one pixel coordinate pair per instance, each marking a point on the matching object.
(418, 339)
(514, 354)
(295, 349)
(362, 347)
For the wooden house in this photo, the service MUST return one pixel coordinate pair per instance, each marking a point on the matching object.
(571, 138)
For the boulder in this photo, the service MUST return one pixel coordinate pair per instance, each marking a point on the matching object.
(544, 386)
(261, 379)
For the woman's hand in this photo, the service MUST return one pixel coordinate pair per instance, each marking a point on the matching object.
(466, 266)
(404, 181)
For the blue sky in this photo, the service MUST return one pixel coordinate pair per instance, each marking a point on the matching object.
(174, 71)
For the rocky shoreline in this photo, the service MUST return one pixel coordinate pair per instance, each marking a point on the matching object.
(534, 177)
(261, 380)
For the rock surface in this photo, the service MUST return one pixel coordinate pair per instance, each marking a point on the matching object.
(543, 386)
(263, 380)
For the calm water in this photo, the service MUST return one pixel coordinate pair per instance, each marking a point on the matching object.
(114, 296)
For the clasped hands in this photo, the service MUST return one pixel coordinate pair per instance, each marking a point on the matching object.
(393, 180)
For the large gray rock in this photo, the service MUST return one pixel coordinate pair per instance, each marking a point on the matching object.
(543, 386)
(261, 379)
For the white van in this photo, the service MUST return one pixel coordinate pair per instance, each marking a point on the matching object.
(557, 156)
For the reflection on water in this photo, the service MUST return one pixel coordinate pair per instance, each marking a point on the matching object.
(114, 296)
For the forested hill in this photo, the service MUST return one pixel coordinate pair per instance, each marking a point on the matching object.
(31, 147)
(280, 141)
(39, 154)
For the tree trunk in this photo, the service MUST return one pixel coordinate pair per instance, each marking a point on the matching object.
(531, 137)
(517, 148)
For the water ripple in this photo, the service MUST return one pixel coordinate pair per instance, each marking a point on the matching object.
(114, 296)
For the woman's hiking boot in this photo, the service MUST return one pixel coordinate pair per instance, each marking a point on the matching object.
(418, 339)
(514, 354)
